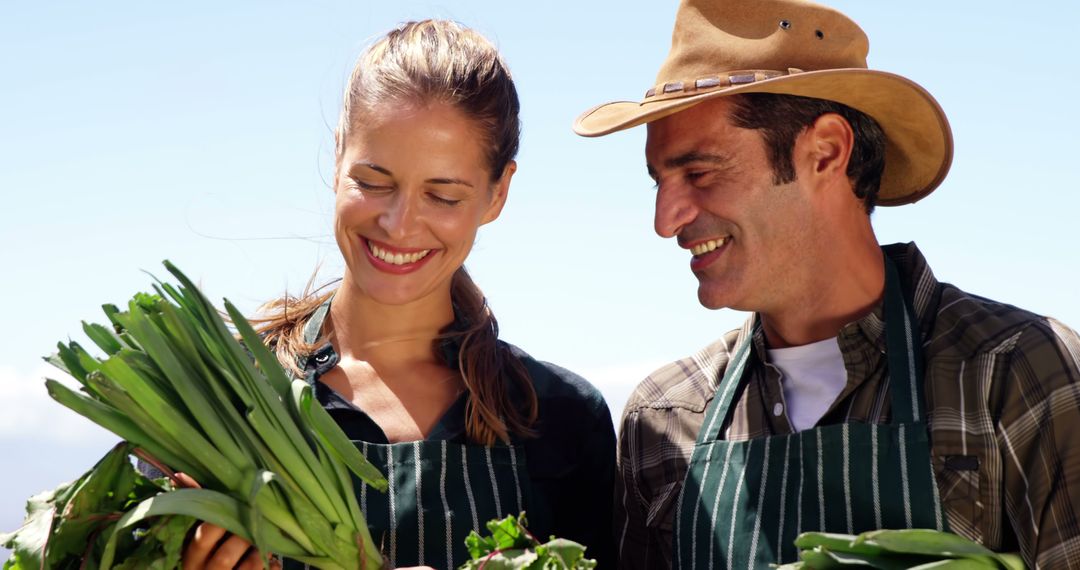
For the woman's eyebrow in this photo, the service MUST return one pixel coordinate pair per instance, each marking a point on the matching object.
(448, 181)
(386, 171)
(372, 166)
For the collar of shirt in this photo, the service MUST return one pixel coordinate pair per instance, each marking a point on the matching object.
(862, 343)
(356, 423)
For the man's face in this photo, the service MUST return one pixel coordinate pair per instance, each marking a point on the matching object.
(749, 238)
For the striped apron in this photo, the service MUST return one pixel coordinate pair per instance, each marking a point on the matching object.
(743, 502)
(438, 493)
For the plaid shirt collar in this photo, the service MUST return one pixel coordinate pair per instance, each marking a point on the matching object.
(866, 334)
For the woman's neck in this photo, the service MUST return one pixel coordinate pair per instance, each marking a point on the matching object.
(386, 335)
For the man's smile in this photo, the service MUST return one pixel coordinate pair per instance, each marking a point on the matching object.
(707, 246)
(706, 252)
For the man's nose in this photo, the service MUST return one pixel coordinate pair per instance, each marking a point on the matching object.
(675, 208)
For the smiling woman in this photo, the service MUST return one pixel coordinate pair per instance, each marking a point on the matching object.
(405, 353)
(413, 217)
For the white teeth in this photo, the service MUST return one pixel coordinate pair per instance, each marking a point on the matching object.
(706, 247)
(397, 258)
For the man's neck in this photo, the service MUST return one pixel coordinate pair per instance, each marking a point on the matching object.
(838, 290)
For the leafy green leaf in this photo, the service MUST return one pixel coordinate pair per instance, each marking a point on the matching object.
(160, 546)
(511, 547)
(95, 499)
(333, 439)
(28, 541)
(924, 541)
(835, 542)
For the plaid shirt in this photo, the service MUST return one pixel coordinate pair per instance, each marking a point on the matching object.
(1003, 394)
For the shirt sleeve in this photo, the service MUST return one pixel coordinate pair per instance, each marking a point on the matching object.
(1039, 439)
(586, 516)
(631, 534)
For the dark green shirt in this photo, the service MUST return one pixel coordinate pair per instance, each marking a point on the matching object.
(570, 462)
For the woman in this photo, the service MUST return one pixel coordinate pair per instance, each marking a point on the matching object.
(405, 352)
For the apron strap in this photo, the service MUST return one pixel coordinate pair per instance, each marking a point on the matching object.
(905, 363)
(904, 350)
(721, 402)
(312, 328)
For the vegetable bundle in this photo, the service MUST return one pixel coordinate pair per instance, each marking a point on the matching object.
(921, 549)
(86, 512)
(511, 547)
(274, 466)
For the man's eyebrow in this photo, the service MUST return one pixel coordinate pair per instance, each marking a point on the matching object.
(694, 156)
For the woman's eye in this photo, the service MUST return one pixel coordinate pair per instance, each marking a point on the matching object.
(367, 187)
(444, 201)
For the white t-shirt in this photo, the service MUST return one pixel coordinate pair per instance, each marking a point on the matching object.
(814, 375)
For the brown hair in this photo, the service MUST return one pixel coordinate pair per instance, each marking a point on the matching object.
(437, 61)
(782, 117)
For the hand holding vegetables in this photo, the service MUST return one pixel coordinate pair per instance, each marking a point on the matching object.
(176, 384)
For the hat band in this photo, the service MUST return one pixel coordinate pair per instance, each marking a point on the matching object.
(676, 89)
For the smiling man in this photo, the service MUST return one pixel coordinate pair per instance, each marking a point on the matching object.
(861, 393)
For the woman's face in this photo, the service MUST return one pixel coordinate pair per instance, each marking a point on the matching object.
(413, 186)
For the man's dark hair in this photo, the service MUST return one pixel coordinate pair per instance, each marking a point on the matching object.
(781, 118)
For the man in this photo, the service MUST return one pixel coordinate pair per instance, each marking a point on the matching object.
(861, 393)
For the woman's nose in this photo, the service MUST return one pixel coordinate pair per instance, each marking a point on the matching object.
(399, 220)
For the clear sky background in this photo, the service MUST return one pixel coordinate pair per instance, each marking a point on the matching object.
(131, 132)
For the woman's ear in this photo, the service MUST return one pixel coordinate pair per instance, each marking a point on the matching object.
(498, 193)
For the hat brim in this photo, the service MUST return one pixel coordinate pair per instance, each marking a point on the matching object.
(919, 144)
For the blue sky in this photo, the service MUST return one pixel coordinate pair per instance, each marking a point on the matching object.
(133, 132)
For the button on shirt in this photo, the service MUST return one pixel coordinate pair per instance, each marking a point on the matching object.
(1002, 387)
(813, 376)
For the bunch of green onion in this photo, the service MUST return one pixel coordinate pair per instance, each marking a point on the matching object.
(273, 465)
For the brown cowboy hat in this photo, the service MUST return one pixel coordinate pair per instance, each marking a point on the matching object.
(794, 47)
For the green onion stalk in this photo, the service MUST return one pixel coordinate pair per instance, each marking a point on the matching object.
(274, 467)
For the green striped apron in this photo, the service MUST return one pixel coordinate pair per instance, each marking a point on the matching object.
(438, 493)
(743, 502)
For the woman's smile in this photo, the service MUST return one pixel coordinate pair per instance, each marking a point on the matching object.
(395, 260)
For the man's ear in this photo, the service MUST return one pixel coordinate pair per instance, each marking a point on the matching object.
(824, 149)
(499, 192)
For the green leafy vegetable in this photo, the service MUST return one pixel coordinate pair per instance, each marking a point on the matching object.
(922, 549)
(511, 547)
(71, 525)
(188, 396)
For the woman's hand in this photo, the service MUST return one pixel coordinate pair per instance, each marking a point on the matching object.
(213, 548)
